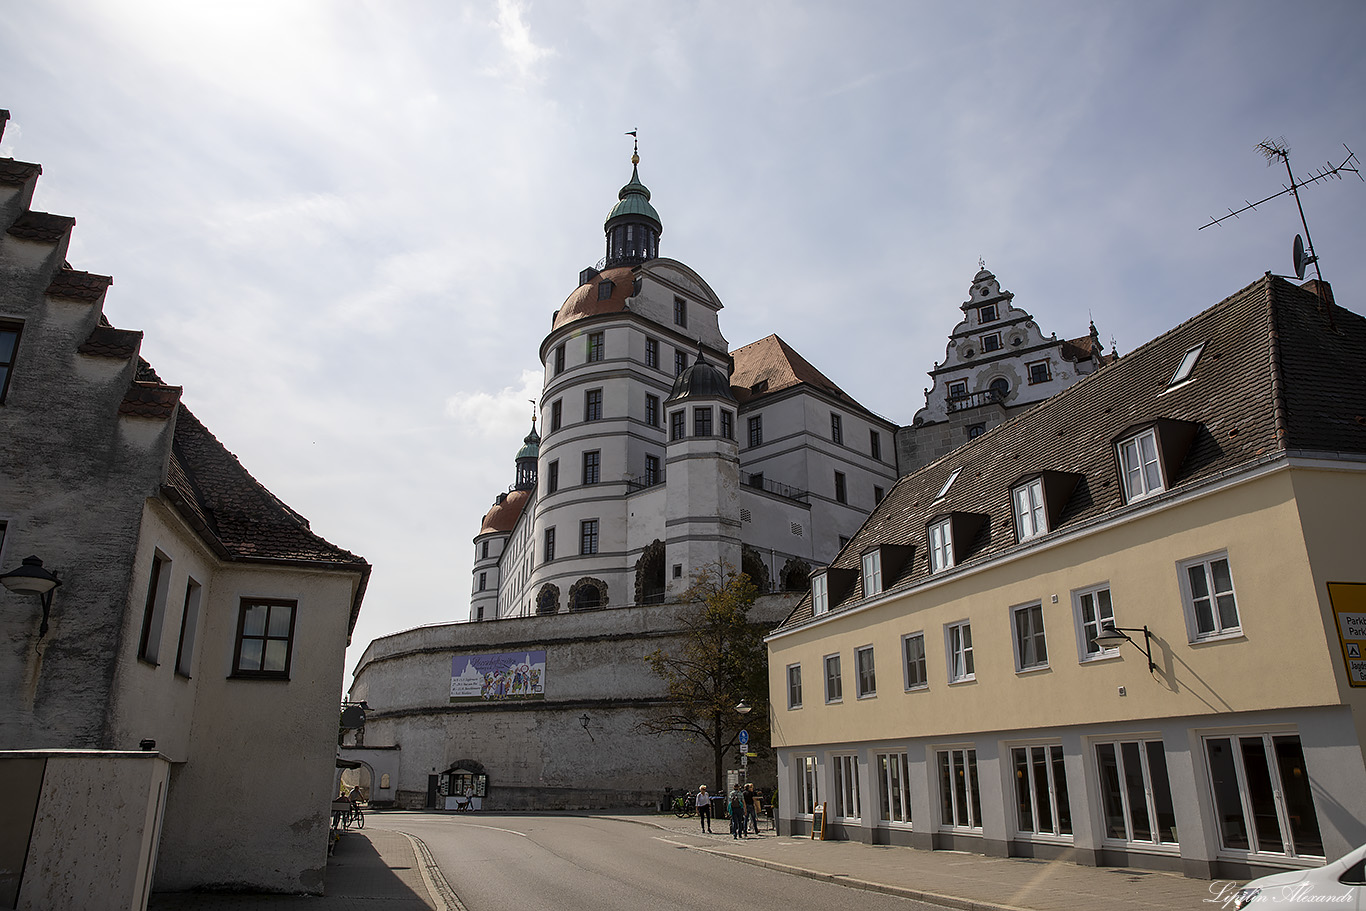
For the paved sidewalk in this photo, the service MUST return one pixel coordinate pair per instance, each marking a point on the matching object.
(950, 879)
(369, 870)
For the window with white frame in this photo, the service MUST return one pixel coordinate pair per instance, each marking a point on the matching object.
(808, 785)
(1139, 467)
(1207, 589)
(1031, 648)
(958, 637)
(941, 546)
(1041, 801)
(867, 677)
(913, 651)
(893, 787)
(1030, 517)
(991, 342)
(820, 594)
(846, 787)
(960, 800)
(1093, 609)
(872, 573)
(1135, 792)
(834, 687)
(794, 686)
(1262, 797)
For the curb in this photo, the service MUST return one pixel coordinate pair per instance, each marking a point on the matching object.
(438, 889)
(839, 879)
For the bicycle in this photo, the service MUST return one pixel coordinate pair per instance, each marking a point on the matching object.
(685, 805)
(353, 817)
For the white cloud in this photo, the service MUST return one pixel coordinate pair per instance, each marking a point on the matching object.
(515, 35)
(497, 416)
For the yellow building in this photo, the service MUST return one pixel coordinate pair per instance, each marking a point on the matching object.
(942, 687)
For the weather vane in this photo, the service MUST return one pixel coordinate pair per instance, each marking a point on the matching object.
(1276, 150)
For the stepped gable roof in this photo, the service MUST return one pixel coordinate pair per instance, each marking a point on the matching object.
(1269, 382)
(770, 365)
(150, 400)
(585, 300)
(505, 512)
(43, 227)
(237, 516)
(73, 284)
(106, 341)
(17, 173)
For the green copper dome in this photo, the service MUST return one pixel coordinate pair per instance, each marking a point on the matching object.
(531, 445)
(634, 201)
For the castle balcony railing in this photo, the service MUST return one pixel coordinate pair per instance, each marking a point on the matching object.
(974, 400)
(644, 481)
(759, 482)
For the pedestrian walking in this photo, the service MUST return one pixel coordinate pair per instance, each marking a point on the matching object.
(704, 807)
(751, 811)
(735, 809)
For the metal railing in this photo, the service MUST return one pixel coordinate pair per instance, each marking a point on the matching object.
(643, 481)
(759, 482)
(974, 400)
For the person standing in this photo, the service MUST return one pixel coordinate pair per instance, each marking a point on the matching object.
(735, 809)
(751, 812)
(704, 807)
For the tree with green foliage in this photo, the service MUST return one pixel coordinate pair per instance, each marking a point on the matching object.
(718, 662)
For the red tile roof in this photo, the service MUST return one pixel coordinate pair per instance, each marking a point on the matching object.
(771, 365)
(584, 302)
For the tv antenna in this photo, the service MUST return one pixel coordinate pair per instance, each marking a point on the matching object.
(1276, 150)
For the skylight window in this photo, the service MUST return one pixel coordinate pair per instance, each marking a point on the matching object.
(947, 484)
(1183, 372)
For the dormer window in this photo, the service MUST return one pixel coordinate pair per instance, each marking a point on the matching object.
(941, 546)
(820, 594)
(986, 314)
(605, 289)
(1187, 365)
(991, 342)
(1030, 519)
(872, 573)
(1150, 456)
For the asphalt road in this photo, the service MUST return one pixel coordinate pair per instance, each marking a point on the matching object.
(567, 863)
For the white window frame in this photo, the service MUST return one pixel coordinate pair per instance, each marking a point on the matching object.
(794, 686)
(941, 545)
(1267, 735)
(859, 654)
(1028, 641)
(1188, 598)
(837, 678)
(1052, 757)
(1031, 519)
(924, 682)
(958, 649)
(1126, 795)
(965, 757)
(872, 573)
(1088, 630)
(846, 786)
(808, 785)
(982, 342)
(961, 387)
(820, 594)
(894, 797)
(1140, 472)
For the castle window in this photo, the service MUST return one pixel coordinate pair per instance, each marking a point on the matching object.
(841, 494)
(680, 312)
(991, 342)
(678, 425)
(9, 344)
(680, 362)
(958, 390)
(878, 494)
(652, 353)
(484, 551)
(592, 464)
(1001, 387)
(594, 346)
(652, 410)
(727, 424)
(836, 429)
(875, 444)
(550, 544)
(556, 415)
(652, 472)
(701, 422)
(1039, 373)
(976, 430)
(756, 430)
(592, 405)
(986, 314)
(605, 288)
(588, 536)
(483, 581)
(552, 478)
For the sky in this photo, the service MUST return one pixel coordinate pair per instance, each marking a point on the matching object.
(344, 226)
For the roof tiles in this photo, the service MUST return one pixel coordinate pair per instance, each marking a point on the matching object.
(42, 227)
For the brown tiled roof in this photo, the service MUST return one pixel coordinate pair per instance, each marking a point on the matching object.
(503, 516)
(150, 400)
(42, 227)
(17, 173)
(74, 285)
(584, 301)
(1273, 355)
(106, 341)
(771, 365)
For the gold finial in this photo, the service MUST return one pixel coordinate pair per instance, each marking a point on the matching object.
(635, 153)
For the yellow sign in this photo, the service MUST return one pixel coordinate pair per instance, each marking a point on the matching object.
(1349, 615)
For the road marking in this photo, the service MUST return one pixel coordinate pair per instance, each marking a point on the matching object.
(438, 889)
(475, 825)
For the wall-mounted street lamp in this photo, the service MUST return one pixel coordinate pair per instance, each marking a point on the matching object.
(742, 708)
(1111, 636)
(31, 578)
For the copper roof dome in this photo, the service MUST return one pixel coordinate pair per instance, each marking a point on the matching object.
(505, 512)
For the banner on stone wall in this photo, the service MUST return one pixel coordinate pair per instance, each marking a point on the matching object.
(486, 678)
